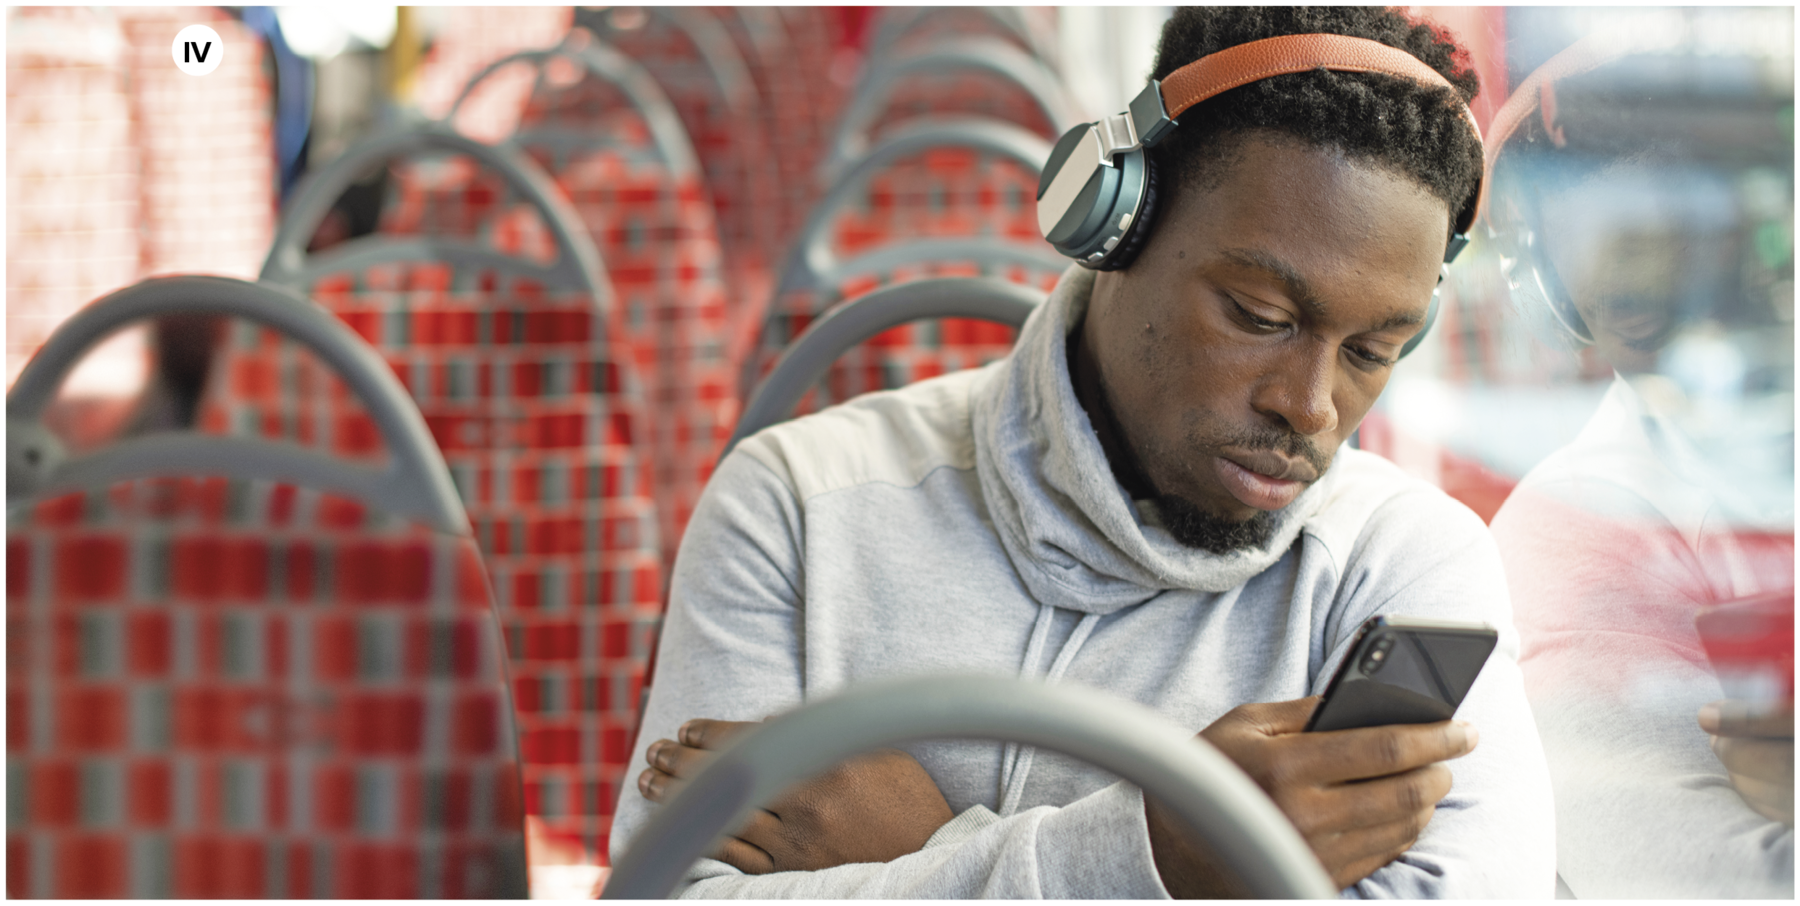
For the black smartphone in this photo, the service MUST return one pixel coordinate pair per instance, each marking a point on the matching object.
(1404, 670)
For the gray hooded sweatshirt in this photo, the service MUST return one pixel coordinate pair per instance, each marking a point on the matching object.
(970, 523)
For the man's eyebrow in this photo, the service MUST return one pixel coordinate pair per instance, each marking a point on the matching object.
(1301, 292)
(1399, 319)
(1295, 285)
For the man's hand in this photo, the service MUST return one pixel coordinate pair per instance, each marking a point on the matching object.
(1360, 798)
(872, 808)
(1756, 746)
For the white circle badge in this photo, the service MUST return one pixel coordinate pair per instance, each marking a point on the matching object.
(197, 50)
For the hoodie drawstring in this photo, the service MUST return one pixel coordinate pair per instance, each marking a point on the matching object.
(1015, 762)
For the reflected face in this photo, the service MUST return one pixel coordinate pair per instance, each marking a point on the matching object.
(1255, 331)
(1624, 290)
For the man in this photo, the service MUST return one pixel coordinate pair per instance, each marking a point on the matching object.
(1624, 228)
(1148, 496)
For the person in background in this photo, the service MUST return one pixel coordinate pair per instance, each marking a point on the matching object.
(1673, 777)
(1152, 496)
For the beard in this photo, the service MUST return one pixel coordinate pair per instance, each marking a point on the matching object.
(1194, 527)
(1191, 524)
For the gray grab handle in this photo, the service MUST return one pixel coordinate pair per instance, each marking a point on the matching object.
(812, 254)
(895, 22)
(987, 54)
(809, 357)
(577, 264)
(415, 483)
(609, 65)
(1209, 793)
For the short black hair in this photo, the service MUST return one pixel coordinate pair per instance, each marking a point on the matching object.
(1415, 129)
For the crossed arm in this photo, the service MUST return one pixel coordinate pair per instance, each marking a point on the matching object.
(1360, 798)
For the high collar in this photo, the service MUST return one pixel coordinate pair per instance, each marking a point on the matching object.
(1071, 530)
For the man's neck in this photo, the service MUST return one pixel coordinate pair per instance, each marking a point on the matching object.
(1084, 373)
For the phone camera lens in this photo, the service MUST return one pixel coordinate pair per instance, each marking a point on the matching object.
(1377, 656)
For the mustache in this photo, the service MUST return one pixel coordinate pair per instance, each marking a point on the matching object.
(1291, 443)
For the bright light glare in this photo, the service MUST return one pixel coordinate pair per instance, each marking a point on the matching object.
(323, 31)
(1426, 408)
(117, 368)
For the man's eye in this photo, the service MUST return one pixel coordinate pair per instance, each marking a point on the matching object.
(1371, 358)
(1263, 323)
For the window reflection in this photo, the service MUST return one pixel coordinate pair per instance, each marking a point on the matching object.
(1625, 354)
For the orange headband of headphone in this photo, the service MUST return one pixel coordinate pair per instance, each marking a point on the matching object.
(1242, 64)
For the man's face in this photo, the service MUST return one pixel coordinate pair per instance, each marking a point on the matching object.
(1257, 328)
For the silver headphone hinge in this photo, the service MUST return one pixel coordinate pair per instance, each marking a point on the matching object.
(1117, 136)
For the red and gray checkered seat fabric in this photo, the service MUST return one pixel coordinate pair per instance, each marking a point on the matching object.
(900, 355)
(790, 102)
(742, 174)
(654, 230)
(935, 194)
(810, 34)
(221, 688)
(539, 420)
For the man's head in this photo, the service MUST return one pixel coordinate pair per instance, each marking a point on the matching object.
(1304, 221)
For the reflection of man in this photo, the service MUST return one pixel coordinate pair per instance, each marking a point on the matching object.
(1149, 496)
(1616, 542)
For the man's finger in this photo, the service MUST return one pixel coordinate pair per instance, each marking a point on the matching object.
(744, 857)
(1774, 801)
(1343, 755)
(763, 831)
(1740, 718)
(677, 760)
(711, 735)
(1352, 808)
(1767, 760)
(657, 786)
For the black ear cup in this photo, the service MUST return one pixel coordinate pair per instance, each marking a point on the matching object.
(1431, 313)
(1139, 232)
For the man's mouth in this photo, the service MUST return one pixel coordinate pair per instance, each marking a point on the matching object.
(1263, 479)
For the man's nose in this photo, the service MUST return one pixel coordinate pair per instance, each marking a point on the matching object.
(1299, 391)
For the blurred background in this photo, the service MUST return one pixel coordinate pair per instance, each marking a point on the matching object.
(1641, 222)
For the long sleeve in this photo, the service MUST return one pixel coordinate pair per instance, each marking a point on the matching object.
(1494, 834)
(731, 650)
(1616, 676)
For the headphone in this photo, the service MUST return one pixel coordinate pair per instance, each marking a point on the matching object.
(1530, 277)
(1097, 196)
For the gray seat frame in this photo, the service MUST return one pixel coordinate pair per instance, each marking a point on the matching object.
(415, 482)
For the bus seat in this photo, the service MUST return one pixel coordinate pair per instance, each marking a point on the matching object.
(692, 56)
(605, 131)
(824, 341)
(973, 76)
(240, 669)
(539, 415)
(906, 351)
(470, 38)
(951, 222)
(793, 102)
